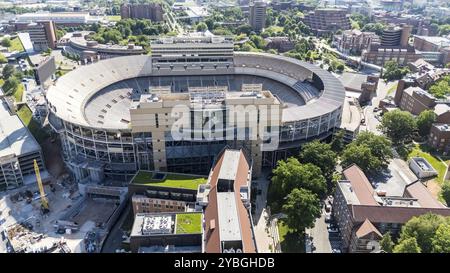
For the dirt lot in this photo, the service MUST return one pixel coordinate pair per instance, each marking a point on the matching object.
(96, 211)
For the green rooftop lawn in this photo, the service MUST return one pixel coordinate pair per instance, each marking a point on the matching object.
(189, 223)
(113, 18)
(26, 116)
(170, 180)
(18, 93)
(16, 45)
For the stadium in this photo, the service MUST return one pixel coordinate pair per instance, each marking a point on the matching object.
(113, 116)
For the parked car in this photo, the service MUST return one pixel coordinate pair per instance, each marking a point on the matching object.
(333, 230)
(327, 208)
(328, 218)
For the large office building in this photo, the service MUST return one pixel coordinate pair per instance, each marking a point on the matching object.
(68, 19)
(394, 46)
(434, 49)
(354, 41)
(18, 150)
(150, 11)
(364, 214)
(327, 20)
(42, 35)
(177, 109)
(258, 10)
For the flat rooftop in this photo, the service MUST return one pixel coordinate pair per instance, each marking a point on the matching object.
(15, 139)
(156, 224)
(169, 180)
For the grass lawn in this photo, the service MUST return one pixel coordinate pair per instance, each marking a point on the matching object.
(19, 93)
(25, 115)
(189, 223)
(425, 152)
(113, 18)
(392, 89)
(16, 45)
(274, 29)
(2, 81)
(170, 180)
(290, 242)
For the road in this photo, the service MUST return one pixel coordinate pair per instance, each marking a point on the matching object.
(371, 122)
(114, 239)
(319, 235)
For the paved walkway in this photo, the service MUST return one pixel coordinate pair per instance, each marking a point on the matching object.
(319, 235)
(263, 236)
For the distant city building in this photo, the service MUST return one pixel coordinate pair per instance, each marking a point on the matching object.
(18, 150)
(354, 41)
(394, 46)
(150, 11)
(392, 5)
(434, 49)
(42, 35)
(68, 19)
(327, 20)
(257, 19)
(364, 214)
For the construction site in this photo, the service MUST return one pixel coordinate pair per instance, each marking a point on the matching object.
(57, 217)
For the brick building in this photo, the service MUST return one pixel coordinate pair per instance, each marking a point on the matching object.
(327, 20)
(364, 214)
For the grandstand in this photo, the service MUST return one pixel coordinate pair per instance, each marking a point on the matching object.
(105, 112)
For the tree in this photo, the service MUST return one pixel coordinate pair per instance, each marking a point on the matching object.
(11, 84)
(362, 156)
(392, 71)
(441, 89)
(380, 146)
(6, 42)
(424, 122)
(369, 151)
(337, 144)
(374, 27)
(302, 207)
(441, 240)
(8, 71)
(398, 125)
(386, 243)
(321, 155)
(445, 191)
(3, 59)
(291, 174)
(201, 27)
(407, 246)
(423, 229)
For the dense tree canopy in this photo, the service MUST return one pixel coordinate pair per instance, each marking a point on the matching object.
(369, 151)
(386, 243)
(441, 88)
(302, 207)
(424, 122)
(321, 155)
(392, 71)
(6, 42)
(445, 191)
(423, 229)
(398, 125)
(407, 246)
(441, 239)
